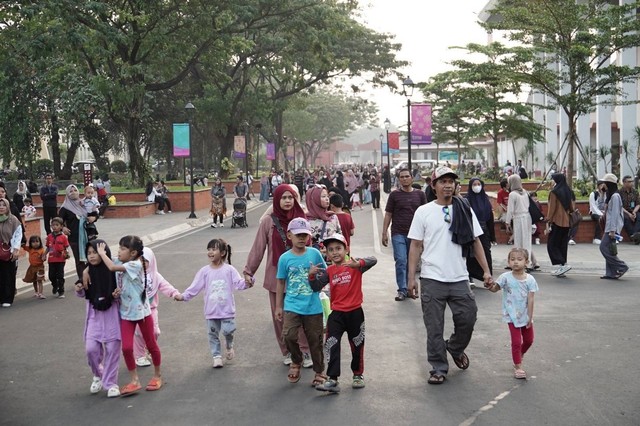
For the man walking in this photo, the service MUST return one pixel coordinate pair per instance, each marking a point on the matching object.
(443, 233)
(49, 197)
(631, 205)
(401, 206)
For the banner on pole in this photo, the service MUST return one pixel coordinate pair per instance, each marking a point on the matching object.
(271, 151)
(239, 146)
(385, 149)
(420, 124)
(180, 139)
(394, 143)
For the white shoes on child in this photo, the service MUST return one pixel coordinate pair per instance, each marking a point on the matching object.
(143, 361)
(114, 392)
(217, 362)
(96, 385)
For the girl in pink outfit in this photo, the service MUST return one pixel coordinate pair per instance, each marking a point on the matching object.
(156, 284)
(218, 280)
(102, 324)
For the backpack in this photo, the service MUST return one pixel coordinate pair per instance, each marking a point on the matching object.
(523, 173)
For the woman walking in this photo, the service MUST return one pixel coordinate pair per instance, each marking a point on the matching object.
(614, 222)
(561, 202)
(518, 212)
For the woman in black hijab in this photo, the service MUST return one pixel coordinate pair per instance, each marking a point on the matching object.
(561, 203)
(481, 206)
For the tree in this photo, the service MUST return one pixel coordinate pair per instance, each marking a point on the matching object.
(563, 49)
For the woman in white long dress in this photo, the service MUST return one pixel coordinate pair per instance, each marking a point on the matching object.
(518, 213)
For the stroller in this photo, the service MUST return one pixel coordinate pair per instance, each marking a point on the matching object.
(239, 217)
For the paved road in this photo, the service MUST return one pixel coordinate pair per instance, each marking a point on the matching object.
(581, 365)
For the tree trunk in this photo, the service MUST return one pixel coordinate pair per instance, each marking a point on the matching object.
(571, 158)
(55, 139)
(137, 165)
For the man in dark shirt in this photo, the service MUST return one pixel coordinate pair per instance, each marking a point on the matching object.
(630, 206)
(401, 206)
(49, 197)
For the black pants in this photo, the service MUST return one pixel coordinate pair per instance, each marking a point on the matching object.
(375, 199)
(160, 202)
(353, 323)
(558, 244)
(56, 276)
(7, 281)
(167, 203)
(49, 213)
(75, 249)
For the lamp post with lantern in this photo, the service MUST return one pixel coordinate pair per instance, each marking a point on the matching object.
(407, 90)
(387, 124)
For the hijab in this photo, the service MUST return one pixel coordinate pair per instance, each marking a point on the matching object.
(23, 192)
(8, 223)
(515, 184)
(74, 205)
(351, 181)
(153, 276)
(283, 217)
(102, 282)
(479, 202)
(316, 211)
(562, 190)
(339, 180)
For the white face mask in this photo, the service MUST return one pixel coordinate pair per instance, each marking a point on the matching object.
(476, 188)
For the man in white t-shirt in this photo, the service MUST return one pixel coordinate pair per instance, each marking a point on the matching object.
(442, 233)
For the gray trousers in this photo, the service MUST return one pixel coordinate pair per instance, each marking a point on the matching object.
(613, 263)
(435, 296)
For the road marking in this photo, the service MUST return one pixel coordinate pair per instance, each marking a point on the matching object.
(376, 235)
(488, 406)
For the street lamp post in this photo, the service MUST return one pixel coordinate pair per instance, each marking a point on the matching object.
(387, 124)
(247, 135)
(407, 90)
(190, 109)
(381, 151)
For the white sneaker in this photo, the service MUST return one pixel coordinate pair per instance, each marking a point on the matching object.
(286, 360)
(160, 211)
(564, 269)
(169, 211)
(537, 241)
(557, 271)
(217, 362)
(572, 243)
(214, 225)
(596, 241)
(96, 385)
(306, 360)
(6, 305)
(221, 225)
(114, 392)
(60, 296)
(143, 361)
(230, 354)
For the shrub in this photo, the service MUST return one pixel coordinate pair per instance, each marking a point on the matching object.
(42, 166)
(119, 166)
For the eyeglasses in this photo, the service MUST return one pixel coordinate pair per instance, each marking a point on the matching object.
(447, 216)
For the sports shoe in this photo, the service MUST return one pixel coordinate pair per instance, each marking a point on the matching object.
(114, 392)
(557, 271)
(358, 382)
(6, 305)
(143, 361)
(597, 241)
(564, 269)
(169, 211)
(306, 360)
(214, 225)
(41, 296)
(217, 362)
(329, 385)
(400, 296)
(537, 241)
(230, 354)
(60, 295)
(160, 212)
(572, 243)
(221, 225)
(96, 385)
(286, 360)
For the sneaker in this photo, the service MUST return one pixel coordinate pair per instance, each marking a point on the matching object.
(306, 360)
(214, 225)
(329, 385)
(6, 305)
(161, 212)
(400, 296)
(143, 361)
(96, 385)
(537, 241)
(217, 362)
(169, 211)
(572, 243)
(564, 269)
(286, 360)
(597, 241)
(41, 296)
(557, 271)
(358, 382)
(221, 225)
(230, 354)
(60, 295)
(114, 392)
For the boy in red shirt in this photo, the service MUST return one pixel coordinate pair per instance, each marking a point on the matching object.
(345, 283)
(57, 245)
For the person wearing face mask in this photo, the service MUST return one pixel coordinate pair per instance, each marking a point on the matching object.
(481, 206)
(74, 215)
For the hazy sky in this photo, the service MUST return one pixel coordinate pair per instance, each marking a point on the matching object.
(425, 29)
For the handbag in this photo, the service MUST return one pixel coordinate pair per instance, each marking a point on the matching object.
(5, 252)
(574, 218)
(534, 212)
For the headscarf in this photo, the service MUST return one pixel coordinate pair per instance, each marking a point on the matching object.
(316, 211)
(74, 206)
(515, 184)
(102, 282)
(479, 202)
(8, 223)
(283, 217)
(153, 276)
(24, 191)
(562, 190)
(351, 181)
(339, 180)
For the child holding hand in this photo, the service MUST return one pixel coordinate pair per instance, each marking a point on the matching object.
(518, 289)
(218, 280)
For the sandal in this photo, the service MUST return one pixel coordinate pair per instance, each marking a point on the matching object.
(436, 379)
(294, 373)
(462, 362)
(318, 379)
(154, 384)
(130, 389)
(520, 374)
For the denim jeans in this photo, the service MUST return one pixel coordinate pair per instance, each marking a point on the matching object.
(401, 244)
(214, 327)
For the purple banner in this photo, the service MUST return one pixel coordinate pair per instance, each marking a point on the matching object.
(420, 124)
(271, 151)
